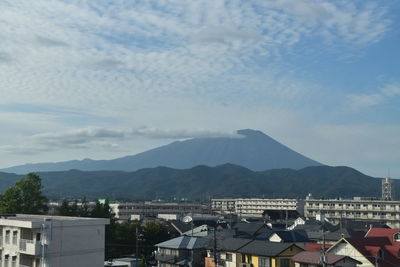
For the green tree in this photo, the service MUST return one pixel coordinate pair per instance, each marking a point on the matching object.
(25, 197)
(64, 209)
(101, 210)
(83, 210)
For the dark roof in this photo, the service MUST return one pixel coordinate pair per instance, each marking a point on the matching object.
(232, 244)
(265, 248)
(185, 242)
(314, 258)
(293, 236)
(180, 226)
(250, 228)
(254, 247)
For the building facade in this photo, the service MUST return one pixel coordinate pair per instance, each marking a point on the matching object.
(383, 211)
(132, 210)
(254, 207)
(56, 241)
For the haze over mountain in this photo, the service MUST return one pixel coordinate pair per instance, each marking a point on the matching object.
(252, 149)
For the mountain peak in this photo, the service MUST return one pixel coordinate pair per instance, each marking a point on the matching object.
(256, 151)
(250, 132)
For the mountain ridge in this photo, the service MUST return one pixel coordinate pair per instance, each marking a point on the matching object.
(252, 149)
(203, 182)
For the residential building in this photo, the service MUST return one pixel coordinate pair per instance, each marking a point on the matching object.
(380, 247)
(123, 262)
(313, 259)
(254, 207)
(250, 252)
(38, 240)
(127, 211)
(361, 209)
(182, 251)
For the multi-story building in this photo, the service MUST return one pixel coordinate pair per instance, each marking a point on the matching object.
(255, 207)
(132, 210)
(38, 240)
(383, 211)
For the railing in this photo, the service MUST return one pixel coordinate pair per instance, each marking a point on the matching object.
(23, 242)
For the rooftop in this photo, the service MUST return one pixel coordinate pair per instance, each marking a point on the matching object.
(35, 221)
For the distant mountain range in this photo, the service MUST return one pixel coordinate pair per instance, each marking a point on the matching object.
(202, 182)
(255, 151)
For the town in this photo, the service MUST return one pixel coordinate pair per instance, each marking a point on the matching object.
(199, 133)
(258, 232)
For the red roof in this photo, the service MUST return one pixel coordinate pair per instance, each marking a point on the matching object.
(315, 257)
(384, 232)
(315, 247)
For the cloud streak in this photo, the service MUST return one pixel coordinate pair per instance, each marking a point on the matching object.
(359, 101)
(92, 137)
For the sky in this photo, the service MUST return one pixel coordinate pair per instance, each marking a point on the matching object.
(104, 79)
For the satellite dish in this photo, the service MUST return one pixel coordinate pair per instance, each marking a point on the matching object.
(187, 219)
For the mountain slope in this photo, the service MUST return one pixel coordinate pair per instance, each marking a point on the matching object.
(202, 182)
(255, 151)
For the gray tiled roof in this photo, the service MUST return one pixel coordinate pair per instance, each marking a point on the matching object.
(265, 248)
(185, 242)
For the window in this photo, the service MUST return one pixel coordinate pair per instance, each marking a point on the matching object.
(228, 257)
(284, 263)
(8, 232)
(14, 239)
(396, 237)
(263, 262)
(37, 236)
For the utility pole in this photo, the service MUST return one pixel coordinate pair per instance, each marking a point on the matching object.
(323, 253)
(137, 245)
(216, 260)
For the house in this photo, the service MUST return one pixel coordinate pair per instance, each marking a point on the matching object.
(182, 251)
(380, 246)
(250, 229)
(293, 236)
(250, 252)
(123, 262)
(56, 241)
(313, 259)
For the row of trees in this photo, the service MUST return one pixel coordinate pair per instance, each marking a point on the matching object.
(26, 197)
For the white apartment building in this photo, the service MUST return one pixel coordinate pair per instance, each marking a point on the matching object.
(51, 241)
(254, 207)
(133, 210)
(334, 210)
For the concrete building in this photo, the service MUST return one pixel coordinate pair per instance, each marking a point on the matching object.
(38, 240)
(367, 209)
(131, 211)
(255, 207)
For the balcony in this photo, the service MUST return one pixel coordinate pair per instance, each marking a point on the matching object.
(29, 247)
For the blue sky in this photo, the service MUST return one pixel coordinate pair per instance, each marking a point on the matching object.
(103, 79)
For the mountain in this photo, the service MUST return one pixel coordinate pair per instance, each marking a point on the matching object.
(254, 150)
(203, 182)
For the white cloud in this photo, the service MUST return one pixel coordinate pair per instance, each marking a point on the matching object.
(100, 137)
(358, 101)
(172, 64)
